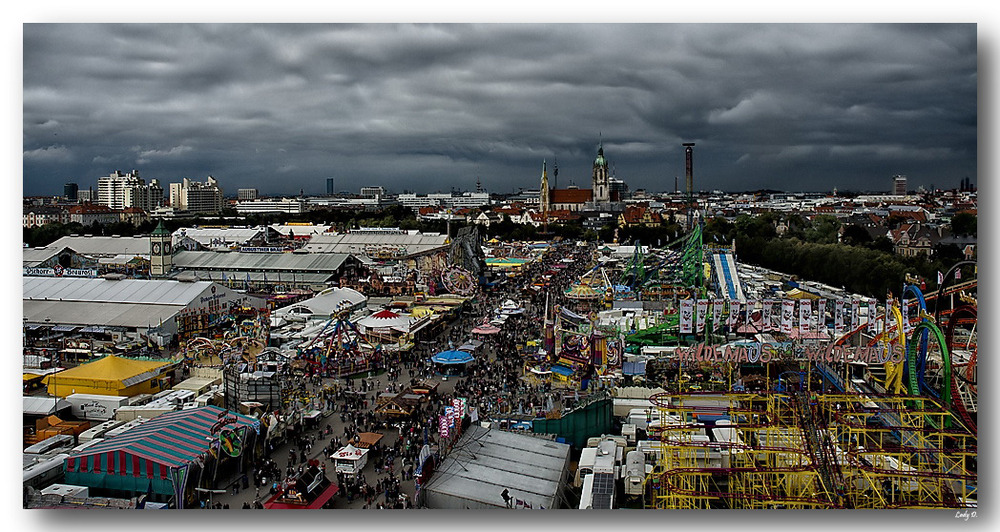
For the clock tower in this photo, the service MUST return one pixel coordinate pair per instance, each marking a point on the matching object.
(160, 252)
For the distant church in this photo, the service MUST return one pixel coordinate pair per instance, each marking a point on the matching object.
(598, 197)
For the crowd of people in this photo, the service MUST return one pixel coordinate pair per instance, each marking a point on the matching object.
(493, 385)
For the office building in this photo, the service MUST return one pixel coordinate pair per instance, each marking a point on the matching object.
(195, 197)
(70, 191)
(247, 194)
(899, 185)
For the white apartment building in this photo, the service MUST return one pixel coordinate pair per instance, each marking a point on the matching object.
(372, 192)
(196, 197)
(121, 191)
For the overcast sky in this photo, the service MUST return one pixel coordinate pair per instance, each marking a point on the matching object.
(431, 107)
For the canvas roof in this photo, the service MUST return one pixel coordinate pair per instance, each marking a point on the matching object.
(110, 369)
(530, 468)
(328, 301)
(172, 439)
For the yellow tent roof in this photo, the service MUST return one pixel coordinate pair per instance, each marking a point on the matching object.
(110, 368)
(420, 312)
(795, 293)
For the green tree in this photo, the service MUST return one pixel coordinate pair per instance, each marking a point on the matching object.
(965, 224)
(823, 229)
(855, 235)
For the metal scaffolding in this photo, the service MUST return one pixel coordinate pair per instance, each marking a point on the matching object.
(795, 451)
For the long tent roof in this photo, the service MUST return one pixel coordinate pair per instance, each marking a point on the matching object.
(110, 369)
(530, 468)
(142, 291)
(173, 439)
(355, 243)
(213, 260)
(104, 245)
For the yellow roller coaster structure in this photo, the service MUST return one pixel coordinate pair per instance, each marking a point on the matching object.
(796, 451)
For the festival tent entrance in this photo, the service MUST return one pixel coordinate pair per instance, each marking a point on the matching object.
(452, 362)
(163, 455)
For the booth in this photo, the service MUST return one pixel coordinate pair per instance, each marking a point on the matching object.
(350, 460)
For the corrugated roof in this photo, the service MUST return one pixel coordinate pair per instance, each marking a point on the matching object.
(530, 468)
(205, 235)
(211, 260)
(233, 278)
(104, 245)
(149, 292)
(103, 314)
(35, 256)
(356, 243)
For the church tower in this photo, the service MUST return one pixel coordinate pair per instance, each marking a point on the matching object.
(601, 185)
(160, 254)
(543, 198)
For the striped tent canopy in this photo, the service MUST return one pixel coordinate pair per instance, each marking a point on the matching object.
(148, 457)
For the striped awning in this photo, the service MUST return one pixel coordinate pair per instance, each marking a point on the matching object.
(171, 440)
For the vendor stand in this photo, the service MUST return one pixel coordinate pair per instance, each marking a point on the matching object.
(350, 460)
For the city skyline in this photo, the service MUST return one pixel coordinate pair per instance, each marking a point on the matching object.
(427, 108)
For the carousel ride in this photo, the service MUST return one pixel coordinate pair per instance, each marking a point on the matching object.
(339, 349)
(244, 334)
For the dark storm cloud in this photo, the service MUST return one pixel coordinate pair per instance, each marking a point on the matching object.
(429, 107)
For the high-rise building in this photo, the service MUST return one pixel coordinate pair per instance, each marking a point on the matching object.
(121, 191)
(247, 194)
(111, 188)
(899, 185)
(330, 184)
(71, 191)
(194, 197)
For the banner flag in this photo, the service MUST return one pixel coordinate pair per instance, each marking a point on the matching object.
(702, 312)
(687, 316)
(717, 314)
(787, 315)
(805, 315)
(838, 317)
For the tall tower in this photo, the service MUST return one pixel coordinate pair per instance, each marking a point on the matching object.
(160, 254)
(689, 176)
(543, 198)
(600, 185)
(899, 185)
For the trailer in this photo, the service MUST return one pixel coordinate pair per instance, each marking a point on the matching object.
(635, 473)
(93, 407)
(98, 431)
